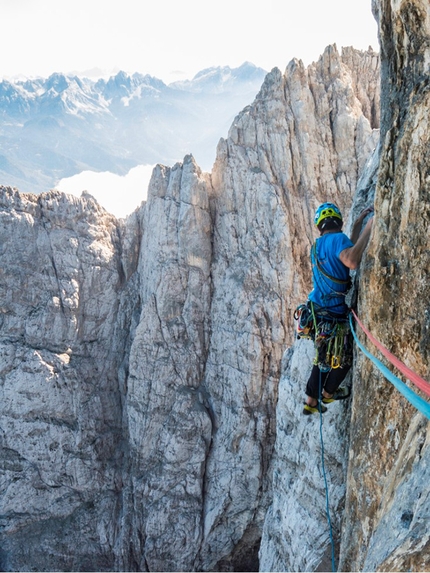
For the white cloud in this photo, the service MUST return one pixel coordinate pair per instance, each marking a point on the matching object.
(163, 37)
(119, 195)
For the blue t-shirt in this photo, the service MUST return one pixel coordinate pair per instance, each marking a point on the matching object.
(325, 291)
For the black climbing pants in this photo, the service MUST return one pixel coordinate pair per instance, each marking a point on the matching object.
(330, 381)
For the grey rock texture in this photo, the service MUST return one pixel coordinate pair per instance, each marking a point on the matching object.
(61, 428)
(384, 523)
(387, 509)
(169, 421)
(296, 534)
(140, 359)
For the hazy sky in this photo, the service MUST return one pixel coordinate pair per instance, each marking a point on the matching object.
(167, 38)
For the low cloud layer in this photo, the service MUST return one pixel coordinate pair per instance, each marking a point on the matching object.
(119, 195)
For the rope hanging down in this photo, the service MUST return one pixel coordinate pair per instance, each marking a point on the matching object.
(414, 399)
(327, 509)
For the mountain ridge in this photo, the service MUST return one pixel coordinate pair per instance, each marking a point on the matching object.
(115, 124)
(143, 355)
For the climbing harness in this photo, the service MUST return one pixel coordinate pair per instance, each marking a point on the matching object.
(332, 345)
(304, 321)
(330, 333)
(416, 401)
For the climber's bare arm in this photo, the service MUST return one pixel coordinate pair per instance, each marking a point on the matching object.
(351, 257)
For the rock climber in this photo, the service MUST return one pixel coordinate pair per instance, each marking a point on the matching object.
(333, 255)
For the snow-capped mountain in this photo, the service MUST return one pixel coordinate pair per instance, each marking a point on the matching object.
(221, 79)
(56, 127)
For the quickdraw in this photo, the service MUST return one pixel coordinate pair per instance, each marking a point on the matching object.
(305, 321)
(333, 346)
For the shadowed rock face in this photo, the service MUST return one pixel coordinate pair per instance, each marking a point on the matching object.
(385, 465)
(388, 493)
(140, 360)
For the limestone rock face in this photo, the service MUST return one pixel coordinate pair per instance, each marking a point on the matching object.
(61, 427)
(388, 488)
(384, 526)
(140, 360)
(309, 452)
(366, 76)
(168, 414)
(296, 533)
(283, 156)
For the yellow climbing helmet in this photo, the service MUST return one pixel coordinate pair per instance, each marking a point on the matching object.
(327, 210)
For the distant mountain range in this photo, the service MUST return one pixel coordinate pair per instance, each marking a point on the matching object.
(56, 127)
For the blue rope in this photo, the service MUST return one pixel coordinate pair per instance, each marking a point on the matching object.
(333, 563)
(414, 399)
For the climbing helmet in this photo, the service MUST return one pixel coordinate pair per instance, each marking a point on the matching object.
(327, 210)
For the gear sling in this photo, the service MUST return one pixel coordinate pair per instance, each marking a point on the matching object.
(330, 332)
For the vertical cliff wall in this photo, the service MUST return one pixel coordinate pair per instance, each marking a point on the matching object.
(140, 360)
(388, 496)
(302, 141)
(169, 420)
(296, 535)
(377, 449)
(61, 422)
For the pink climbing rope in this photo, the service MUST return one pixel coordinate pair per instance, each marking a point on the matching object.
(410, 375)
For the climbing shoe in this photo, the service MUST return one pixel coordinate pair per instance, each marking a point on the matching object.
(340, 394)
(308, 410)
